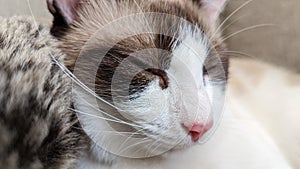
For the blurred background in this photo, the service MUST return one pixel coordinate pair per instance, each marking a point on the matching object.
(277, 44)
(24, 7)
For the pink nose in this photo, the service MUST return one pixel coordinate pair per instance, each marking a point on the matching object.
(199, 130)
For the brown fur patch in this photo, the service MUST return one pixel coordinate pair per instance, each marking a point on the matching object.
(95, 15)
(1, 41)
(37, 129)
(74, 37)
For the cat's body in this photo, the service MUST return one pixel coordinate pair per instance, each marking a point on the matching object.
(270, 95)
(245, 139)
(36, 128)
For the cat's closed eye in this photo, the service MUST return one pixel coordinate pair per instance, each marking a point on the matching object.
(141, 80)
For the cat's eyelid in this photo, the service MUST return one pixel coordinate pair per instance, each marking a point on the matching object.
(163, 77)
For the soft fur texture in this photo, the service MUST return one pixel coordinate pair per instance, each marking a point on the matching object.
(243, 139)
(259, 128)
(36, 128)
(177, 92)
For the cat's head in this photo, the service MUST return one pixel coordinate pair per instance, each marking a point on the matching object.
(152, 73)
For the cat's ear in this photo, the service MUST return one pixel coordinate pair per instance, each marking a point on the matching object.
(63, 11)
(212, 8)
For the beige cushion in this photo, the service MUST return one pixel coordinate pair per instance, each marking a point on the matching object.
(278, 44)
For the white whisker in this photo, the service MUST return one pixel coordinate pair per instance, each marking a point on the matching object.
(238, 53)
(241, 31)
(144, 140)
(229, 16)
(246, 29)
(103, 118)
(101, 111)
(78, 82)
(153, 150)
(142, 12)
(131, 136)
(232, 22)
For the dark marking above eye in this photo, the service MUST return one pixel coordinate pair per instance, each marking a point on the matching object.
(163, 78)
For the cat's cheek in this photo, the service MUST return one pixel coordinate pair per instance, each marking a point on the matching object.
(152, 105)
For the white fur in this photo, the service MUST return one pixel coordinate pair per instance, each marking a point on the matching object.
(186, 73)
(241, 140)
(168, 112)
(244, 139)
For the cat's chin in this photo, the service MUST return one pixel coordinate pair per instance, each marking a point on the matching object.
(182, 147)
(100, 152)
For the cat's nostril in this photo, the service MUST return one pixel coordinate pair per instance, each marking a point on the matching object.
(196, 132)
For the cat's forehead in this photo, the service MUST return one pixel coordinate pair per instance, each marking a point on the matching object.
(163, 17)
(94, 15)
(157, 50)
(150, 34)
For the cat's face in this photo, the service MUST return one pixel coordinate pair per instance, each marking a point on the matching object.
(158, 78)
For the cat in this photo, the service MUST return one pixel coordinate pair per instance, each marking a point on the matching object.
(154, 75)
(37, 129)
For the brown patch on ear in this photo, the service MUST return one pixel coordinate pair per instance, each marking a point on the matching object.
(211, 9)
(64, 13)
